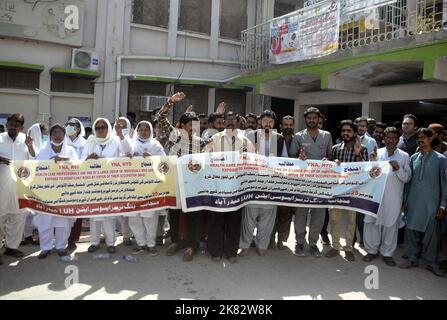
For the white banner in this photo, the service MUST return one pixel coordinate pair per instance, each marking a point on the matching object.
(312, 33)
(354, 6)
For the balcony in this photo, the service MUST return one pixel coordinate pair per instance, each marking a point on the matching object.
(401, 23)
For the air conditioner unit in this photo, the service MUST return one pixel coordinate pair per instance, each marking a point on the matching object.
(150, 103)
(84, 59)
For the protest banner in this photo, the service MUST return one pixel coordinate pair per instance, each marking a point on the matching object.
(228, 181)
(311, 33)
(95, 188)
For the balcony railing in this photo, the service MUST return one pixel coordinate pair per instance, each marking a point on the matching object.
(401, 19)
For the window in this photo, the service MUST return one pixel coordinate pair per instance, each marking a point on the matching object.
(235, 100)
(195, 15)
(233, 18)
(64, 83)
(19, 79)
(151, 12)
(283, 8)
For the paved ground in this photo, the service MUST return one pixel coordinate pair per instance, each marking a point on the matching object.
(280, 275)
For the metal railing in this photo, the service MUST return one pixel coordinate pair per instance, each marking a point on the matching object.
(401, 19)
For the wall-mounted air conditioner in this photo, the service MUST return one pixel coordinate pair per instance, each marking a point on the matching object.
(84, 59)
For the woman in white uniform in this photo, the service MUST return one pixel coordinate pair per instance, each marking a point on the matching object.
(39, 133)
(124, 220)
(144, 224)
(75, 133)
(51, 227)
(104, 144)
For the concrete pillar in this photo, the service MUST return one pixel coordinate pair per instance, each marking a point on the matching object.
(173, 26)
(372, 110)
(268, 9)
(299, 116)
(211, 100)
(215, 26)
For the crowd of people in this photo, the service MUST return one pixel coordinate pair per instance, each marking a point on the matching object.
(412, 212)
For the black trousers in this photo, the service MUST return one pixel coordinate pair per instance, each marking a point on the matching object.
(324, 232)
(224, 233)
(75, 233)
(282, 223)
(195, 223)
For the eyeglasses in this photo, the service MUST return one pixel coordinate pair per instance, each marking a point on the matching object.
(101, 128)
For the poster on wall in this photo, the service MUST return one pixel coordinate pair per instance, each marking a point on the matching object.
(312, 33)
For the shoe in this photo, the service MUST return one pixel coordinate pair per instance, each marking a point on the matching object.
(243, 253)
(62, 252)
(232, 260)
(369, 257)
(152, 251)
(216, 259)
(13, 253)
(159, 241)
(281, 246)
(43, 254)
(349, 256)
(332, 253)
(93, 248)
(314, 251)
(138, 250)
(111, 249)
(188, 255)
(72, 246)
(127, 242)
(172, 249)
(299, 250)
(325, 239)
(389, 261)
(262, 252)
(435, 270)
(27, 241)
(408, 264)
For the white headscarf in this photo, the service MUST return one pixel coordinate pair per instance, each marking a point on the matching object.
(93, 141)
(129, 126)
(48, 146)
(36, 134)
(80, 141)
(151, 145)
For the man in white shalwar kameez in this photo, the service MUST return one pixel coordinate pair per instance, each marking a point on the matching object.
(14, 145)
(380, 235)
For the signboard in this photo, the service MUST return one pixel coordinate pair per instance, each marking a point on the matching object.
(312, 33)
(58, 21)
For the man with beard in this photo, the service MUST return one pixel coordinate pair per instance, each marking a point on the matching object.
(283, 214)
(313, 144)
(425, 200)
(252, 123)
(14, 145)
(224, 228)
(350, 150)
(215, 125)
(262, 217)
(438, 138)
(379, 134)
(380, 234)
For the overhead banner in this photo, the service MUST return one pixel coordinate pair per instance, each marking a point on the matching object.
(228, 181)
(96, 188)
(311, 33)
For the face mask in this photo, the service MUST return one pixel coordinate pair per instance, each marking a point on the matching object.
(45, 138)
(125, 132)
(70, 130)
(57, 144)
